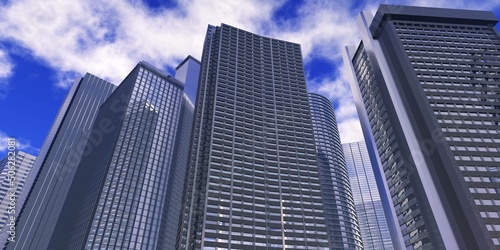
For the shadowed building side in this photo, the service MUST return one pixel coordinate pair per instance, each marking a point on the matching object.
(59, 156)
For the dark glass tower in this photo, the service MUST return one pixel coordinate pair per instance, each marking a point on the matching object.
(341, 220)
(124, 194)
(253, 180)
(369, 209)
(54, 169)
(428, 94)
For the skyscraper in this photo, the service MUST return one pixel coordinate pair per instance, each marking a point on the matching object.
(371, 218)
(175, 188)
(188, 72)
(253, 179)
(54, 168)
(341, 220)
(123, 193)
(13, 182)
(427, 90)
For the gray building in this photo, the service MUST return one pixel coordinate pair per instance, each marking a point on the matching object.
(13, 182)
(253, 180)
(188, 72)
(341, 220)
(369, 209)
(123, 195)
(55, 166)
(426, 86)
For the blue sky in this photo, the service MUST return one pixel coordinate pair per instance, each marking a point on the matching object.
(45, 45)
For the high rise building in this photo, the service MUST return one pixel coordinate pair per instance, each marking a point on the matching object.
(54, 168)
(341, 220)
(188, 72)
(371, 218)
(123, 195)
(426, 86)
(13, 182)
(253, 180)
(175, 189)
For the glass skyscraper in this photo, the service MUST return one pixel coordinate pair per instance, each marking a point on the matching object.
(22, 170)
(427, 90)
(188, 72)
(55, 166)
(124, 194)
(371, 218)
(341, 220)
(253, 180)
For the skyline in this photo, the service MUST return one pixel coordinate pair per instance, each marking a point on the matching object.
(263, 164)
(41, 70)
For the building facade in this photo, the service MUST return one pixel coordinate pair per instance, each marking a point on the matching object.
(369, 209)
(13, 182)
(60, 154)
(253, 180)
(343, 228)
(427, 90)
(124, 193)
(188, 72)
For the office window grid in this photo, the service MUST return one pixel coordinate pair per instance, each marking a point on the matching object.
(253, 179)
(397, 169)
(127, 212)
(371, 217)
(340, 212)
(458, 67)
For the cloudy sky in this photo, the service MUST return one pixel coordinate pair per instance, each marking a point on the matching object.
(45, 45)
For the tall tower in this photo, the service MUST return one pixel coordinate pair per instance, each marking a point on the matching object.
(188, 72)
(428, 95)
(253, 179)
(341, 220)
(13, 182)
(369, 209)
(55, 166)
(123, 194)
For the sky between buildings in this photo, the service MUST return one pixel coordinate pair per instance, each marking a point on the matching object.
(45, 45)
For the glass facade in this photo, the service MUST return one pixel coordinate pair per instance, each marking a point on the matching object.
(125, 187)
(369, 209)
(23, 169)
(341, 220)
(55, 166)
(253, 180)
(427, 94)
(397, 167)
(458, 67)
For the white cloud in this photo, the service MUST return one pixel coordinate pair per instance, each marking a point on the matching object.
(107, 38)
(21, 144)
(6, 70)
(346, 114)
(6, 65)
(338, 90)
(322, 28)
(350, 131)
